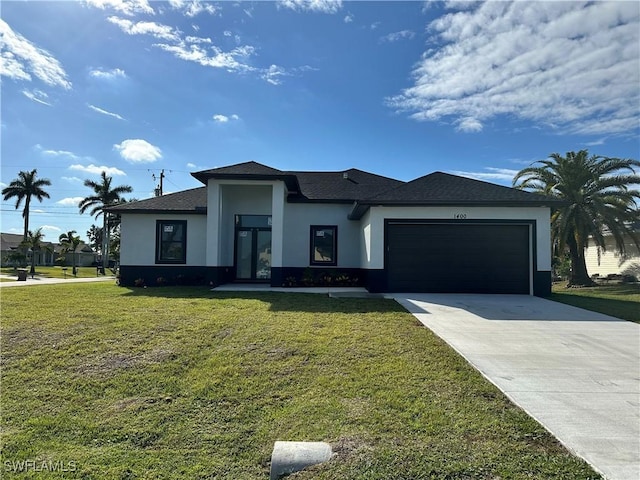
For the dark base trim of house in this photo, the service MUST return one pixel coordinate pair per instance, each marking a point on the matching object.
(318, 277)
(160, 275)
(542, 283)
(374, 280)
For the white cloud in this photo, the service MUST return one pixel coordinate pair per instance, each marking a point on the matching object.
(126, 7)
(469, 124)
(218, 118)
(227, 33)
(192, 8)
(70, 201)
(20, 59)
(50, 228)
(317, 6)
(273, 74)
(572, 66)
(112, 74)
(348, 18)
(58, 153)
(105, 112)
(138, 151)
(191, 165)
(504, 175)
(395, 36)
(96, 170)
(216, 59)
(192, 39)
(71, 179)
(37, 96)
(595, 143)
(154, 29)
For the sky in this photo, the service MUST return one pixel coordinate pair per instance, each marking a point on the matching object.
(401, 89)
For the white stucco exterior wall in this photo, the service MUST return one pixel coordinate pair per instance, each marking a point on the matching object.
(298, 218)
(138, 238)
(373, 243)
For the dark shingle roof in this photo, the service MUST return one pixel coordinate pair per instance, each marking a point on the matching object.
(333, 186)
(441, 187)
(246, 168)
(187, 201)
(10, 241)
(308, 186)
(353, 185)
(445, 189)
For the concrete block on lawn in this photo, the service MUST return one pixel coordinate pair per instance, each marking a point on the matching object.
(289, 457)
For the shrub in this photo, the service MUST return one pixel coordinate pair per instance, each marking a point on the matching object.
(139, 282)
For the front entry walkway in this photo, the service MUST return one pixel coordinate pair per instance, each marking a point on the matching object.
(576, 372)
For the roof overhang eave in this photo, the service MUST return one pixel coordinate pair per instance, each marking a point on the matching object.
(361, 207)
(291, 181)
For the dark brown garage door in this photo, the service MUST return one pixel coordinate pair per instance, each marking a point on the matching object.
(457, 258)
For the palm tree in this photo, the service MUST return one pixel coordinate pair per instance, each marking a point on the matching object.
(600, 199)
(34, 243)
(24, 188)
(104, 196)
(70, 242)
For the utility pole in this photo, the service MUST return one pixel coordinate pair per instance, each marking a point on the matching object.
(158, 190)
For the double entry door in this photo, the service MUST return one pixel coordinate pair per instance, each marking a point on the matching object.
(253, 247)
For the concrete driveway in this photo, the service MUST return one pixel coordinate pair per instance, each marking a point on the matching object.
(575, 371)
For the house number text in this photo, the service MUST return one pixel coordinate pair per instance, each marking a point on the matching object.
(460, 216)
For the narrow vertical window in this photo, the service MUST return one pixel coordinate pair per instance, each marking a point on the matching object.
(171, 241)
(324, 245)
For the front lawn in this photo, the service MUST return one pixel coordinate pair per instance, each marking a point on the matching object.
(184, 383)
(622, 300)
(57, 272)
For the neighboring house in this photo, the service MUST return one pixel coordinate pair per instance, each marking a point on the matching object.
(610, 262)
(10, 244)
(254, 223)
(49, 255)
(85, 256)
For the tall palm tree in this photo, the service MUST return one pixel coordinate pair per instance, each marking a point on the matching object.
(34, 242)
(70, 243)
(600, 199)
(24, 188)
(103, 196)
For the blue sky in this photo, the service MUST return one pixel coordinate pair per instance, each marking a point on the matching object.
(401, 89)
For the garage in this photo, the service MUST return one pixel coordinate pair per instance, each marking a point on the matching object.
(458, 257)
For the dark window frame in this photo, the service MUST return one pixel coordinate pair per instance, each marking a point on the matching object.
(312, 236)
(160, 224)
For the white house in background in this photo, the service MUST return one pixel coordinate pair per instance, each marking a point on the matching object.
(610, 262)
(253, 223)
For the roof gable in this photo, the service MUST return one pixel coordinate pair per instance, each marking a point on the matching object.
(246, 168)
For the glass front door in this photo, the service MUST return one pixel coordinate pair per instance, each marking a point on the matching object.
(253, 249)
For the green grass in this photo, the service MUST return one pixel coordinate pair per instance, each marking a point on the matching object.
(184, 383)
(57, 272)
(622, 301)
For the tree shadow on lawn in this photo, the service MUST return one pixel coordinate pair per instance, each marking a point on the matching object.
(278, 301)
(624, 309)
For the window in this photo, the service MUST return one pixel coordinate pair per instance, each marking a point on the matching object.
(171, 241)
(324, 245)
